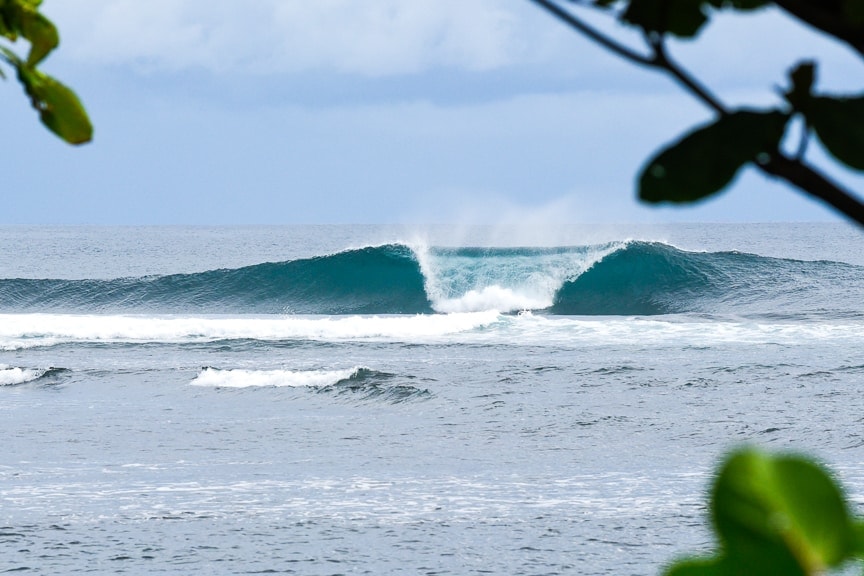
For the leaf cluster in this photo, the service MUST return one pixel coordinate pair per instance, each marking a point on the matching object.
(58, 106)
(776, 514)
(707, 159)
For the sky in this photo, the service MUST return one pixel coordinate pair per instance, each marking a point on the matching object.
(216, 112)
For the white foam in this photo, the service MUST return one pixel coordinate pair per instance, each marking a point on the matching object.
(509, 283)
(29, 330)
(10, 376)
(581, 332)
(494, 298)
(274, 378)
(23, 331)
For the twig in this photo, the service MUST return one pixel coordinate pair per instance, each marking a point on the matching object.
(595, 35)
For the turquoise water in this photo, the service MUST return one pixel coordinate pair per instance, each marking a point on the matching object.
(335, 400)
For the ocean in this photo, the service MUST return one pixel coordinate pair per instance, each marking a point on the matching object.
(325, 400)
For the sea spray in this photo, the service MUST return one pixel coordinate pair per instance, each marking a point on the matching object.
(503, 279)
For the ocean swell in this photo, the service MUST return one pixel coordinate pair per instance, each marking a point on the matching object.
(621, 278)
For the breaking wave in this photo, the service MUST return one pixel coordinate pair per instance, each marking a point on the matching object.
(620, 278)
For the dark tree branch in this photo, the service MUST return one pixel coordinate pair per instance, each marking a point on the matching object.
(793, 171)
(662, 61)
(805, 140)
(595, 35)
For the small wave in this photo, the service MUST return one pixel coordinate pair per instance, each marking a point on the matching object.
(238, 378)
(14, 376)
(369, 384)
(360, 382)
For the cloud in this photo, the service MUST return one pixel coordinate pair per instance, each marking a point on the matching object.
(366, 37)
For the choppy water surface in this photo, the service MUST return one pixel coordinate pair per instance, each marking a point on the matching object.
(377, 403)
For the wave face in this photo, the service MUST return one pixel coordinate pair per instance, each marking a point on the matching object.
(646, 278)
(623, 278)
(375, 280)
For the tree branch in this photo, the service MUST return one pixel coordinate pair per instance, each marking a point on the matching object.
(661, 60)
(811, 182)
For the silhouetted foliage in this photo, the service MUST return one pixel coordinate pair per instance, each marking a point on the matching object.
(705, 161)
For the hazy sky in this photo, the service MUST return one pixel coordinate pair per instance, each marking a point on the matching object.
(379, 111)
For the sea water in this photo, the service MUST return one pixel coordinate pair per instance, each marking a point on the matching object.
(380, 400)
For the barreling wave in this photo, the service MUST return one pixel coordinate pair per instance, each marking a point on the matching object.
(619, 278)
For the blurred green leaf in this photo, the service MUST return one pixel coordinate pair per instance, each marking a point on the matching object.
(59, 107)
(42, 35)
(706, 160)
(696, 567)
(839, 123)
(859, 538)
(783, 505)
(776, 515)
(22, 17)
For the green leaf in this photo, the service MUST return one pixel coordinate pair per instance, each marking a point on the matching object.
(839, 123)
(59, 107)
(22, 17)
(696, 567)
(783, 514)
(42, 35)
(706, 160)
(859, 538)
